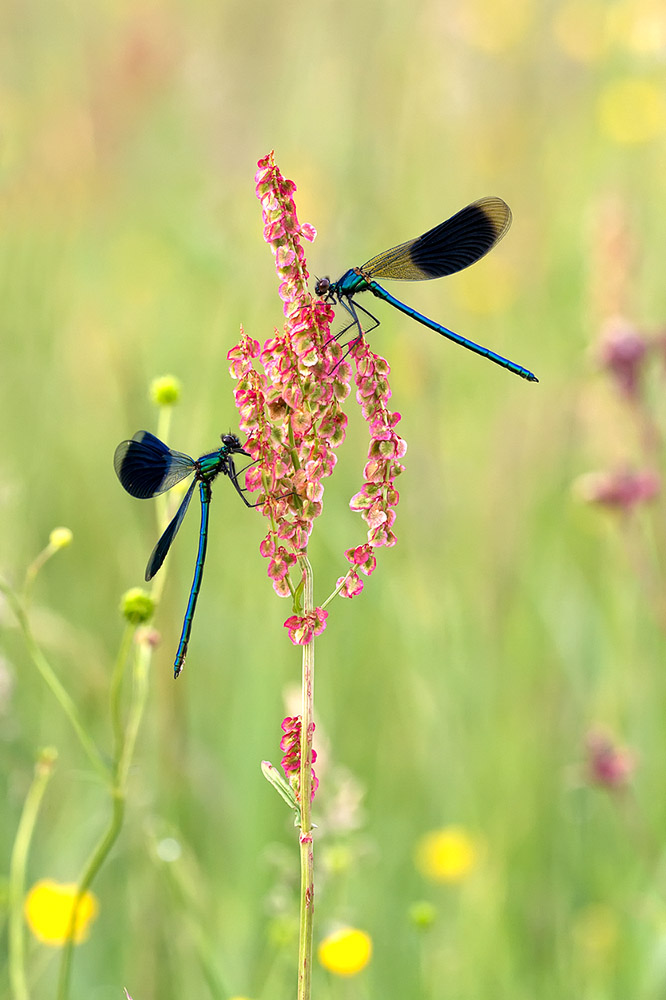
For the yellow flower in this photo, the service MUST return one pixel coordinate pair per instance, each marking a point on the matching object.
(48, 911)
(580, 28)
(60, 537)
(446, 855)
(638, 25)
(346, 951)
(632, 110)
(165, 391)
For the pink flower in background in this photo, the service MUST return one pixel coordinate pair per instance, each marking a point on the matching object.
(623, 351)
(622, 490)
(289, 395)
(607, 763)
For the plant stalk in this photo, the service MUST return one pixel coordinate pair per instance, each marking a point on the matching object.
(305, 839)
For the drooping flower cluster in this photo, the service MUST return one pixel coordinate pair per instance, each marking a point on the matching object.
(377, 499)
(290, 744)
(289, 396)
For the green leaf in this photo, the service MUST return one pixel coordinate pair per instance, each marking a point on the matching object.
(272, 774)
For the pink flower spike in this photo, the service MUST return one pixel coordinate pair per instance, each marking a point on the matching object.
(290, 393)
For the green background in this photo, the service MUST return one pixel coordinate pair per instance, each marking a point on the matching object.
(509, 619)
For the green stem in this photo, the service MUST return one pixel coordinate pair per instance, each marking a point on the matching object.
(93, 865)
(116, 688)
(162, 503)
(33, 571)
(337, 589)
(123, 752)
(50, 678)
(17, 869)
(138, 701)
(305, 786)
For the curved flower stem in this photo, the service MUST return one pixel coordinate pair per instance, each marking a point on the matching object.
(337, 590)
(116, 687)
(305, 785)
(142, 661)
(125, 741)
(94, 863)
(51, 679)
(17, 867)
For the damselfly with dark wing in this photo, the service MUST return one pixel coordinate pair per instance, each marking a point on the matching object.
(147, 467)
(449, 247)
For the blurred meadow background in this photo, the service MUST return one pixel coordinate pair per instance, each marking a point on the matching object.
(500, 686)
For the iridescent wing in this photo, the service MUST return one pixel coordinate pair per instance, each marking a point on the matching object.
(449, 247)
(146, 467)
(158, 554)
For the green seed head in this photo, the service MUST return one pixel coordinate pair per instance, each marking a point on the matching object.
(165, 391)
(137, 606)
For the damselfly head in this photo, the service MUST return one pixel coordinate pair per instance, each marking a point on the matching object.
(323, 287)
(232, 442)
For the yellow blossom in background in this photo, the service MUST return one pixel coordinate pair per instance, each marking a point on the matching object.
(446, 855)
(632, 110)
(579, 27)
(486, 290)
(493, 27)
(639, 25)
(346, 951)
(60, 538)
(48, 911)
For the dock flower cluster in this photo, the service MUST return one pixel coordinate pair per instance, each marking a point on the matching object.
(289, 395)
(290, 744)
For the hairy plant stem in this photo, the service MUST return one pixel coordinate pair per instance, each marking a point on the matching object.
(51, 679)
(305, 785)
(17, 869)
(124, 743)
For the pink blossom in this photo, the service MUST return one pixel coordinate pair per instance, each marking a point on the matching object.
(303, 628)
(607, 763)
(350, 585)
(622, 351)
(622, 490)
(290, 744)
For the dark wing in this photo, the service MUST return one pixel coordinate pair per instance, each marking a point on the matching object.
(146, 467)
(449, 247)
(158, 554)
